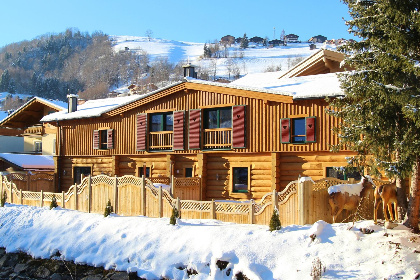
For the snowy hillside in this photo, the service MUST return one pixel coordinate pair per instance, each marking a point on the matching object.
(154, 249)
(255, 59)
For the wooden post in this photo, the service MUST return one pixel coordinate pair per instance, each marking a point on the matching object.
(1, 185)
(21, 197)
(172, 184)
(213, 209)
(178, 206)
(42, 198)
(116, 195)
(143, 196)
(89, 193)
(28, 181)
(251, 211)
(75, 196)
(304, 185)
(160, 198)
(11, 191)
(275, 200)
(63, 200)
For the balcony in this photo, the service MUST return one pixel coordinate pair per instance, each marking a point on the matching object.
(161, 140)
(218, 138)
(34, 130)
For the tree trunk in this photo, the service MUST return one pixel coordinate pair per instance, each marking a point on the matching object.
(402, 198)
(414, 202)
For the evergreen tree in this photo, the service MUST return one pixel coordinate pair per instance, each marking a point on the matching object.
(108, 209)
(275, 221)
(5, 81)
(244, 42)
(174, 216)
(53, 203)
(381, 107)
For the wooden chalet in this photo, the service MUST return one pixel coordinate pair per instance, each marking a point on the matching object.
(25, 122)
(242, 141)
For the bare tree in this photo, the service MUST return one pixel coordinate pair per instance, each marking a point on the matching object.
(149, 34)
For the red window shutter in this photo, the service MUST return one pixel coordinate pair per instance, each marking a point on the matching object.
(141, 132)
(110, 138)
(285, 130)
(178, 141)
(194, 129)
(310, 129)
(239, 127)
(96, 139)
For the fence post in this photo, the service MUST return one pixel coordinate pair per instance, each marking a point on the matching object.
(160, 202)
(75, 196)
(21, 197)
(143, 196)
(11, 191)
(178, 206)
(1, 185)
(116, 195)
(275, 200)
(172, 184)
(251, 211)
(28, 182)
(89, 193)
(63, 201)
(304, 185)
(42, 198)
(213, 209)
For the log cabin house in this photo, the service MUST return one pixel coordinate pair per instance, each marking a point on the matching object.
(242, 139)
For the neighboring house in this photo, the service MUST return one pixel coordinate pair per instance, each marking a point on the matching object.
(24, 163)
(37, 138)
(318, 39)
(242, 140)
(292, 38)
(10, 142)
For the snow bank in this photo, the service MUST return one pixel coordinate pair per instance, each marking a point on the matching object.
(155, 249)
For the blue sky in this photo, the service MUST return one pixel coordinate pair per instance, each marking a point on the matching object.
(181, 20)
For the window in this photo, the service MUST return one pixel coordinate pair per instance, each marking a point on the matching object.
(188, 172)
(339, 173)
(80, 172)
(103, 139)
(218, 118)
(144, 170)
(38, 146)
(298, 130)
(240, 179)
(161, 122)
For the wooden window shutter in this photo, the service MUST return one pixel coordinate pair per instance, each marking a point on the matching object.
(141, 132)
(110, 138)
(178, 140)
(310, 124)
(194, 129)
(239, 127)
(285, 130)
(96, 139)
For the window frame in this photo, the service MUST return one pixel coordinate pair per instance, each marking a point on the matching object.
(206, 118)
(163, 124)
(341, 175)
(288, 128)
(232, 192)
(103, 143)
(74, 166)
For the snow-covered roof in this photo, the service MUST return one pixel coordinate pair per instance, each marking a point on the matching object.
(97, 107)
(26, 161)
(304, 87)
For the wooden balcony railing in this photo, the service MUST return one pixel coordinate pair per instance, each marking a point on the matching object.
(34, 130)
(161, 140)
(218, 138)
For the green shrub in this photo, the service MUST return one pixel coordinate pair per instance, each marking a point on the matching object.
(275, 221)
(3, 199)
(108, 209)
(174, 216)
(53, 203)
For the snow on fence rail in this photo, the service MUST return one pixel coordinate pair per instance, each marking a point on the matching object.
(301, 202)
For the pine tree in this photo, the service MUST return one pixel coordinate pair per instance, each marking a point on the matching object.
(381, 106)
(108, 209)
(244, 42)
(174, 216)
(53, 203)
(275, 223)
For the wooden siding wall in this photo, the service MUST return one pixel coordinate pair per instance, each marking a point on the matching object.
(263, 124)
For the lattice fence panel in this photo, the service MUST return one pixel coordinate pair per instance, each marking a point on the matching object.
(129, 180)
(42, 176)
(160, 180)
(232, 207)
(187, 182)
(190, 205)
(31, 195)
(103, 179)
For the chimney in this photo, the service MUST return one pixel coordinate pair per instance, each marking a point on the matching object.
(189, 71)
(72, 99)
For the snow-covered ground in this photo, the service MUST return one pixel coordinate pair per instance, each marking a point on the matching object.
(255, 59)
(154, 248)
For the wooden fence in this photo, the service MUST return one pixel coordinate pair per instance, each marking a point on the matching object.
(33, 182)
(301, 202)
